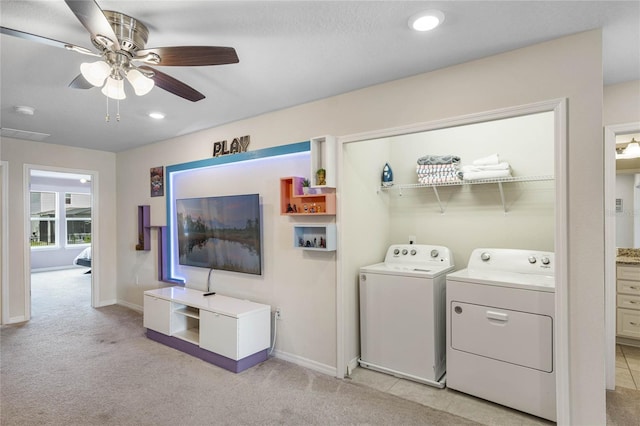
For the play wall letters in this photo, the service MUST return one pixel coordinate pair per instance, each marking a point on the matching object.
(237, 145)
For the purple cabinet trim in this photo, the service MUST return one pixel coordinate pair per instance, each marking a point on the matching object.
(208, 356)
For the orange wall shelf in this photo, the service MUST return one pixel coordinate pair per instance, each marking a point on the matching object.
(294, 203)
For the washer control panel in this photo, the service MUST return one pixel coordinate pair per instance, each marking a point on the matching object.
(419, 253)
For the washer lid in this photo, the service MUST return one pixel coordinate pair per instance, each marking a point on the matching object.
(407, 270)
(536, 282)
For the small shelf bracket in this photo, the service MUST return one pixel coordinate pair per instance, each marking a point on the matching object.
(504, 204)
(435, 191)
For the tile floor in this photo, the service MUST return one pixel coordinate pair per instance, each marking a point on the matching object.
(448, 400)
(628, 367)
(479, 410)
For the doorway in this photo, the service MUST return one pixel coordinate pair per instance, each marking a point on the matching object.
(610, 135)
(59, 222)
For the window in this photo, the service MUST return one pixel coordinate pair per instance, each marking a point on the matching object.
(78, 218)
(43, 219)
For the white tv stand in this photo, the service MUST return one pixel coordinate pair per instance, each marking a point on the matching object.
(231, 333)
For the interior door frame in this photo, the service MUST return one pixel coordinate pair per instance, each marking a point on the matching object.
(27, 230)
(561, 336)
(609, 147)
(4, 171)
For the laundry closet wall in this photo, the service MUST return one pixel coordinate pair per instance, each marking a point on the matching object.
(474, 215)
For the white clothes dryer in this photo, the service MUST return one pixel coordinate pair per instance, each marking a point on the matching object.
(500, 329)
(402, 313)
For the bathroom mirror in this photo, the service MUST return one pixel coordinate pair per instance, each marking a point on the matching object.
(627, 208)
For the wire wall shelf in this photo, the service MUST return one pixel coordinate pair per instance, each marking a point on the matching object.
(499, 181)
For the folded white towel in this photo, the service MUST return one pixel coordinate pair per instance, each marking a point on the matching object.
(436, 168)
(486, 174)
(486, 161)
(473, 168)
(437, 179)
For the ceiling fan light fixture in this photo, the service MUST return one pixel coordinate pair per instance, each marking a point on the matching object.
(95, 72)
(141, 83)
(426, 21)
(114, 89)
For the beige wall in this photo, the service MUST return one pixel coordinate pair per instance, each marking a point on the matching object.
(621, 103)
(19, 153)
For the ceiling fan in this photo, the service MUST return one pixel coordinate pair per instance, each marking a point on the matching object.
(120, 41)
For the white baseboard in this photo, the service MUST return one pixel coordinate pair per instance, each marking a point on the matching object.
(57, 268)
(133, 306)
(627, 341)
(104, 303)
(352, 365)
(17, 320)
(305, 362)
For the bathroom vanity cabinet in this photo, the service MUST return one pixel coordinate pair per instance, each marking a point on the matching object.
(628, 301)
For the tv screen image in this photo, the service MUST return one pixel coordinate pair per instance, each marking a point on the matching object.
(220, 233)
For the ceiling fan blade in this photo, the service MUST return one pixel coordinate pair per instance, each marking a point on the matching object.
(191, 55)
(80, 83)
(91, 16)
(45, 40)
(174, 86)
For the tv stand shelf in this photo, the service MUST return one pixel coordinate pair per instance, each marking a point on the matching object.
(231, 333)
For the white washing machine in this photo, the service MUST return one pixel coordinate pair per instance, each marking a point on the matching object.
(402, 313)
(500, 328)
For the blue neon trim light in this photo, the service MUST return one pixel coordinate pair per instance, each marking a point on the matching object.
(264, 153)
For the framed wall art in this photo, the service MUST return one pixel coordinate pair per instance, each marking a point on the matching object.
(157, 181)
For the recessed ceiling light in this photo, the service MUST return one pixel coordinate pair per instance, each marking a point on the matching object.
(156, 115)
(426, 21)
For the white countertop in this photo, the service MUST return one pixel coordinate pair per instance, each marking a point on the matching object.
(218, 303)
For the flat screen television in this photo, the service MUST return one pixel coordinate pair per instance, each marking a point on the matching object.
(220, 232)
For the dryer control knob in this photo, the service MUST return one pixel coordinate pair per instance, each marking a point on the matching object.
(532, 259)
(413, 252)
(404, 252)
(396, 252)
(435, 253)
(545, 260)
(485, 256)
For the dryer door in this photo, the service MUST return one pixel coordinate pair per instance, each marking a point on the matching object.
(520, 338)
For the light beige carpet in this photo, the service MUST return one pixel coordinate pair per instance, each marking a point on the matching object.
(75, 365)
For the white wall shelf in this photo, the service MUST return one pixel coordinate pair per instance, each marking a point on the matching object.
(323, 155)
(320, 237)
(498, 181)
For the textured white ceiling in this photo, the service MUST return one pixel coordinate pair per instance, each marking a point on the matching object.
(291, 52)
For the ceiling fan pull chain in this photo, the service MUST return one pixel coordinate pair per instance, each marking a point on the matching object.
(118, 110)
(106, 117)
